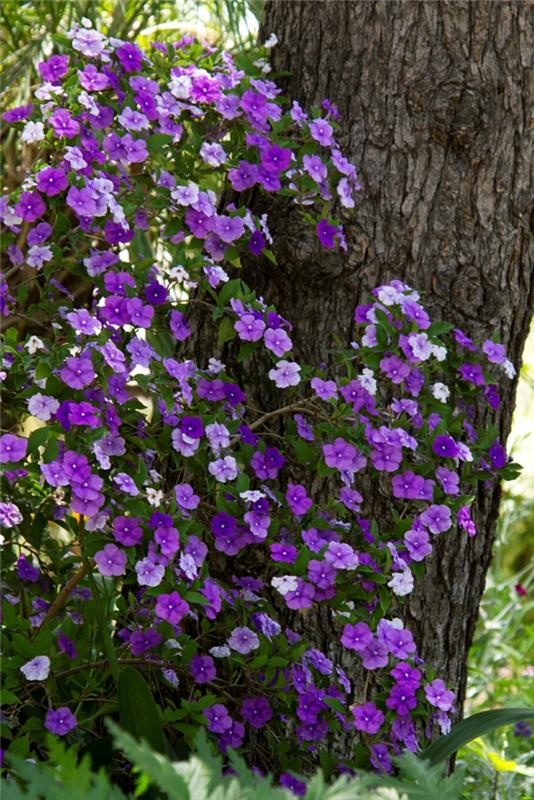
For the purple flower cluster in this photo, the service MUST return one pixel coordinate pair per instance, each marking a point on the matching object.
(206, 519)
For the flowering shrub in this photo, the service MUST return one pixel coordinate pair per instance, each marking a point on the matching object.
(173, 536)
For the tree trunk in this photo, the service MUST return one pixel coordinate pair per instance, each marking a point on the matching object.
(434, 99)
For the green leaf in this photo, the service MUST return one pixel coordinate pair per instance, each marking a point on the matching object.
(158, 768)
(37, 438)
(226, 331)
(139, 713)
(471, 728)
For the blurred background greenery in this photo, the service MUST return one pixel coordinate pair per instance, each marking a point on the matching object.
(502, 656)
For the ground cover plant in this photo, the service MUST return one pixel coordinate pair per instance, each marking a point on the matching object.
(162, 543)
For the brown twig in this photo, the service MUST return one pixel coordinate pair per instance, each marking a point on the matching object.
(64, 593)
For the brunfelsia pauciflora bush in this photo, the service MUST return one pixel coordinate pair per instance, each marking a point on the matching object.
(130, 533)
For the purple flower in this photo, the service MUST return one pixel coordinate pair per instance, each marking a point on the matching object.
(289, 781)
(171, 607)
(218, 718)
(498, 456)
(367, 718)
(77, 372)
(111, 560)
(437, 518)
(224, 469)
(9, 514)
(63, 123)
(127, 530)
(256, 243)
(202, 669)
(149, 573)
(179, 326)
(249, 328)
(140, 314)
(395, 369)
(341, 556)
(402, 698)
(284, 552)
(30, 206)
(380, 758)
(142, 641)
(465, 522)
(277, 341)
(267, 465)
(67, 646)
(12, 448)
(244, 176)
(326, 390)
(37, 669)
(243, 640)
(229, 228)
(445, 446)
(472, 373)
(130, 57)
(315, 168)
(340, 454)
(83, 414)
(26, 571)
(300, 597)
(51, 181)
(285, 374)
(407, 485)
(60, 720)
(356, 637)
(399, 641)
(322, 131)
(496, 353)
(55, 68)
(256, 711)
(126, 484)
(326, 233)
(449, 480)
(417, 544)
(321, 573)
(185, 496)
(375, 655)
(439, 696)
(297, 499)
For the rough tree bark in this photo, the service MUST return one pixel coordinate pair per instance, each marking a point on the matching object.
(434, 98)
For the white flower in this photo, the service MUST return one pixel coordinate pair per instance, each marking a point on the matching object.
(37, 669)
(367, 380)
(154, 496)
(272, 41)
(252, 496)
(172, 644)
(509, 368)
(33, 132)
(220, 652)
(440, 353)
(75, 158)
(10, 218)
(34, 344)
(440, 392)
(284, 584)
(389, 296)
(464, 453)
(215, 366)
(180, 86)
(401, 583)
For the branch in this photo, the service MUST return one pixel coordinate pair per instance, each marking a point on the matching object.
(64, 593)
